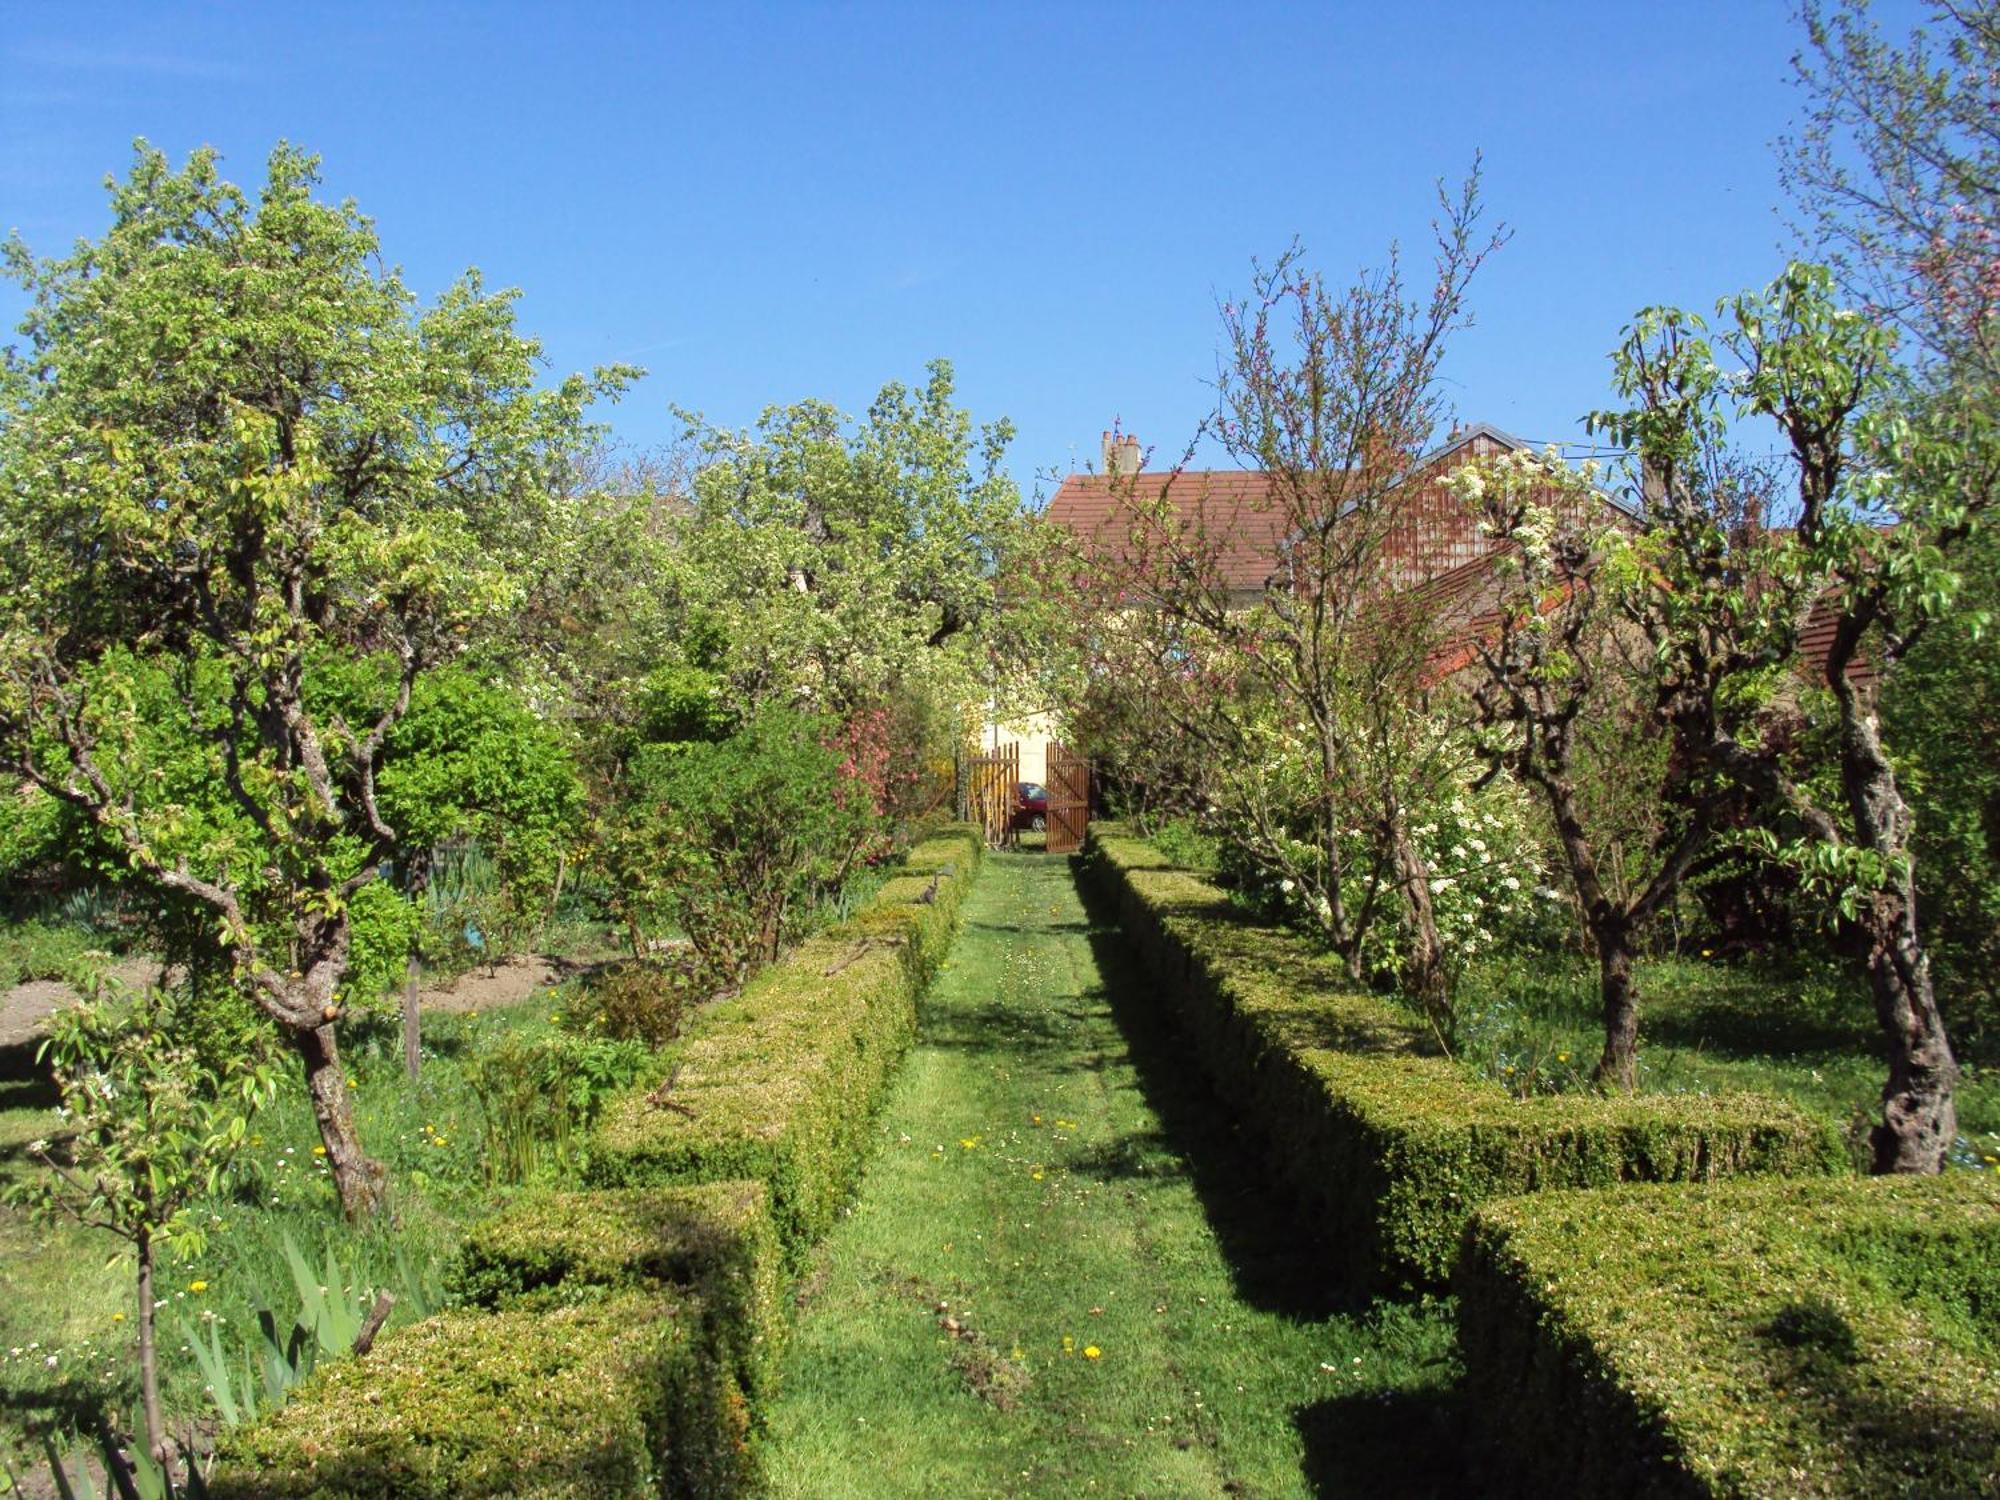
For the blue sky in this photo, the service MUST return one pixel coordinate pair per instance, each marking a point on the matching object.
(765, 203)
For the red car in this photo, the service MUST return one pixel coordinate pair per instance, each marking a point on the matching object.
(1031, 806)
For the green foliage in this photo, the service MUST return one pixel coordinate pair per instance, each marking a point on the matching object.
(637, 1001)
(1769, 1338)
(1941, 713)
(470, 762)
(840, 568)
(540, 1088)
(1387, 1144)
(385, 929)
(557, 1249)
(737, 837)
(251, 497)
(780, 1084)
(153, 1123)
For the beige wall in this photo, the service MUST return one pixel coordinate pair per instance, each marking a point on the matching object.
(1034, 733)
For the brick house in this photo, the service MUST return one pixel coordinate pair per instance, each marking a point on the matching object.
(1435, 544)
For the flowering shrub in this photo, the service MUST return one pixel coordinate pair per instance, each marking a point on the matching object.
(1488, 884)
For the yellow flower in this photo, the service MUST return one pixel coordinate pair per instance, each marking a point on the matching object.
(319, 1151)
(197, 1287)
(1036, 1174)
(352, 1084)
(969, 1142)
(437, 1141)
(1091, 1351)
(1069, 1344)
(118, 1317)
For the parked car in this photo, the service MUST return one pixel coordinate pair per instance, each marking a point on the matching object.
(1031, 806)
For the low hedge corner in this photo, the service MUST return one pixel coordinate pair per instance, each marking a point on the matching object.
(1745, 1339)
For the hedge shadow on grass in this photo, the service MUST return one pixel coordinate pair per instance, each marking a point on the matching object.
(1405, 1445)
(1276, 1263)
(997, 1025)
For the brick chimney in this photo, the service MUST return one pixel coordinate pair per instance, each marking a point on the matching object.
(1120, 452)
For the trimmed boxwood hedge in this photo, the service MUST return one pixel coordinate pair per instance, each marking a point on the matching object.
(570, 1401)
(1388, 1145)
(1766, 1338)
(622, 1340)
(717, 1240)
(780, 1083)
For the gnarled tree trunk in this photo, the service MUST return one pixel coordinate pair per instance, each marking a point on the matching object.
(358, 1179)
(1619, 1066)
(1919, 1113)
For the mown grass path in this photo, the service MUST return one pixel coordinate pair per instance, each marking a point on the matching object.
(1062, 1276)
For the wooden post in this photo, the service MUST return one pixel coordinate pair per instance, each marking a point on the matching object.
(412, 1027)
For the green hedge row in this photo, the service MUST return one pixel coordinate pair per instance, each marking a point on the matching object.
(1754, 1339)
(623, 1339)
(780, 1084)
(1389, 1146)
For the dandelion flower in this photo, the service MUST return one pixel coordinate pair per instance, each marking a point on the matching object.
(197, 1287)
(1091, 1351)
(319, 1151)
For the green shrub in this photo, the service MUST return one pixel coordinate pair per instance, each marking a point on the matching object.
(1389, 1145)
(385, 929)
(1767, 1338)
(609, 1398)
(640, 1000)
(780, 1083)
(737, 838)
(717, 1240)
(622, 1340)
(540, 1088)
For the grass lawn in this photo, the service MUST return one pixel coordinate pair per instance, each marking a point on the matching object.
(1808, 1033)
(1064, 1276)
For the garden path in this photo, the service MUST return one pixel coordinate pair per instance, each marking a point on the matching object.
(1062, 1275)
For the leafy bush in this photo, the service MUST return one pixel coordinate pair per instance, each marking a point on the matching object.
(385, 930)
(539, 1089)
(736, 838)
(1769, 1338)
(1388, 1144)
(640, 1000)
(556, 1249)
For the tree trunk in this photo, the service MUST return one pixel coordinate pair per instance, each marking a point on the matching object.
(358, 1179)
(413, 1034)
(1919, 1112)
(1919, 1115)
(1619, 1066)
(1424, 977)
(149, 1369)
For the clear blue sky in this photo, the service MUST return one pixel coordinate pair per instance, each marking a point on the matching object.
(763, 203)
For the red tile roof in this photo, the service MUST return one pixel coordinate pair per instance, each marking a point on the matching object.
(1233, 510)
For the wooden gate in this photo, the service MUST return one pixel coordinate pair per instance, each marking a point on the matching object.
(991, 780)
(1069, 799)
